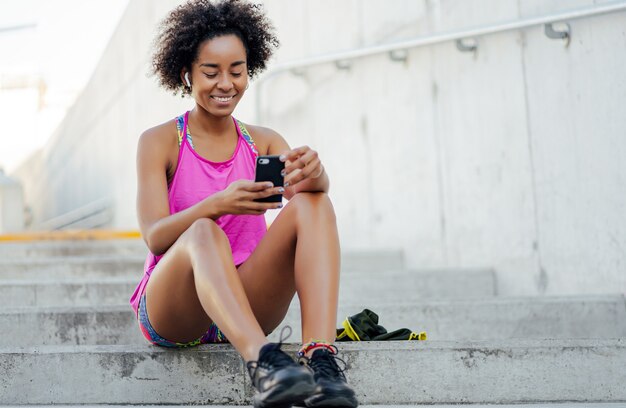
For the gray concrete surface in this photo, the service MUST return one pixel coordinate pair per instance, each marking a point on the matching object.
(602, 316)
(46, 254)
(519, 371)
(559, 317)
(95, 354)
(554, 405)
(67, 292)
(73, 282)
(458, 157)
(43, 249)
(54, 268)
(415, 285)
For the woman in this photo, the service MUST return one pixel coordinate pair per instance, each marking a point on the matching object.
(215, 272)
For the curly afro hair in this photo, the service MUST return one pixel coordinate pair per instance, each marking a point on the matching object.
(190, 24)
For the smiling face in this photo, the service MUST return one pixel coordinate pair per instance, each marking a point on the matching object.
(219, 75)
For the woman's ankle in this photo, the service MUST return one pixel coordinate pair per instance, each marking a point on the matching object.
(309, 348)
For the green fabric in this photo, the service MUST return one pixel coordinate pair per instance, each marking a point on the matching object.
(364, 326)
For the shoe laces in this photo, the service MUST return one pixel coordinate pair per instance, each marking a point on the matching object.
(272, 356)
(324, 363)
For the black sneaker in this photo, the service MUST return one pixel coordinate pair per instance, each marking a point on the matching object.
(332, 389)
(279, 380)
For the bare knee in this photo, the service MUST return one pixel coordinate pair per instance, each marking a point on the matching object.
(313, 204)
(202, 233)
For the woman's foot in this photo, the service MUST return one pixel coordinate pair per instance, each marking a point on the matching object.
(279, 381)
(332, 389)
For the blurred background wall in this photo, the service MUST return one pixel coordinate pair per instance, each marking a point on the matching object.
(510, 157)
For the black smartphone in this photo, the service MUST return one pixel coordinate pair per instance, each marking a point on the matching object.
(268, 168)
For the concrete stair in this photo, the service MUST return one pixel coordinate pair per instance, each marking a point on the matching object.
(129, 248)
(561, 405)
(126, 263)
(59, 289)
(382, 373)
(69, 337)
(19, 251)
(582, 317)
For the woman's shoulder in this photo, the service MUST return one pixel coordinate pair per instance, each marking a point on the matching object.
(262, 133)
(161, 136)
(264, 137)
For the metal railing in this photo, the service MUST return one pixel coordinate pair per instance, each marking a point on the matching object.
(93, 215)
(397, 50)
(26, 26)
(431, 39)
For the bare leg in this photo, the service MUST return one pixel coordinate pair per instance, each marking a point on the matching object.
(300, 253)
(197, 279)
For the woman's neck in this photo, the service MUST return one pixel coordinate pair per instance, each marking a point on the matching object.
(204, 124)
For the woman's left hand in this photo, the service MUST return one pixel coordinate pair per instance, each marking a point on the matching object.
(301, 163)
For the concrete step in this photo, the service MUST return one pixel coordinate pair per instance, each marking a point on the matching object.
(503, 372)
(16, 251)
(563, 317)
(56, 268)
(545, 317)
(554, 405)
(70, 292)
(132, 264)
(55, 289)
(63, 248)
(414, 285)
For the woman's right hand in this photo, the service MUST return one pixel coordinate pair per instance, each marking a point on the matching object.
(239, 196)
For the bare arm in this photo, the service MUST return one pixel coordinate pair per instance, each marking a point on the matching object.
(160, 229)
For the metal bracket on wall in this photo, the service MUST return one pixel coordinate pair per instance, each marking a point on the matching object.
(399, 55)
(467, 44)
(343, 64)
(562, 31)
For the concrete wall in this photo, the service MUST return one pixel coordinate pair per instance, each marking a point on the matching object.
(510, 157)
(91, 156)
(11, 205)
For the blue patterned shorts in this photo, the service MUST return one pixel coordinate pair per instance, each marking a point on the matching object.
(213, 335)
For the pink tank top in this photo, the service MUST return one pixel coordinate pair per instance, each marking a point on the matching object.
(195, 179)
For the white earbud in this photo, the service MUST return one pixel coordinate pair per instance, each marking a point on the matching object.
(187, 79)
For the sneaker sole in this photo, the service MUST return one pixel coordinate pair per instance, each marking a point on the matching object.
(331, 401)
(296, 388)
